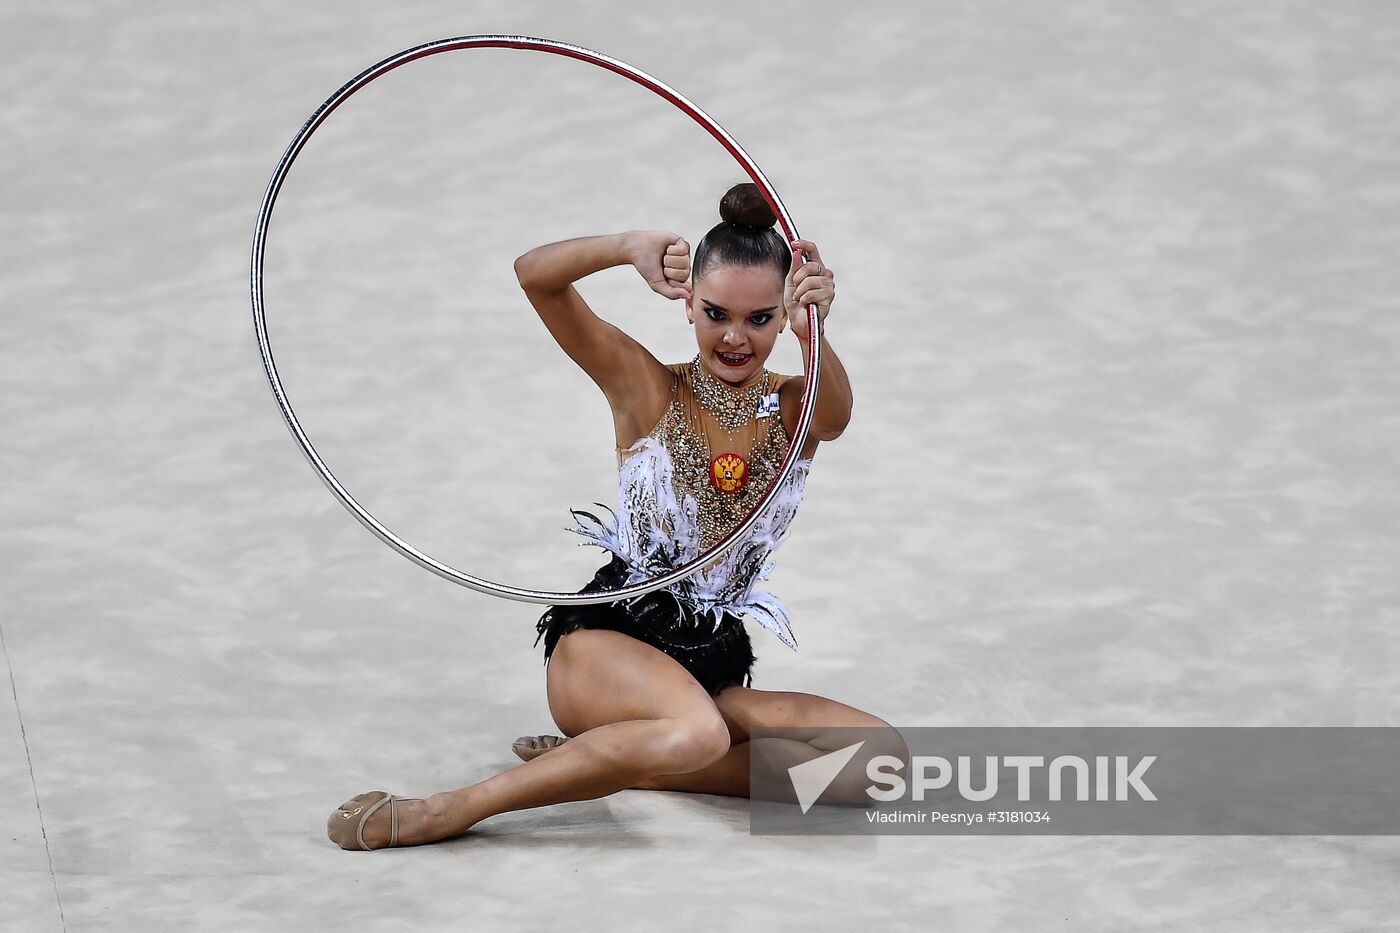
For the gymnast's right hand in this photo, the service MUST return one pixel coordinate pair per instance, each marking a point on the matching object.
(663, 259)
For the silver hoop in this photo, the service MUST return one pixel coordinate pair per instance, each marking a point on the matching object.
(522, 594)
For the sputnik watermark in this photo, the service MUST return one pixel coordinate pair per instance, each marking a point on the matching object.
(1072, 781)
(883, 770)
(890, 785)
(811, 778)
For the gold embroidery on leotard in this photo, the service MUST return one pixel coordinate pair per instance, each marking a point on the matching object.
(681, 429)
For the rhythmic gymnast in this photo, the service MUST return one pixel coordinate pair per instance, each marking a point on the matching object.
(655, 693)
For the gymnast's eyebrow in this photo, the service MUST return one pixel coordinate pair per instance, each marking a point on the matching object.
(726, 310)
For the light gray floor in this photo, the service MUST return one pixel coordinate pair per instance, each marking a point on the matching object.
(1117, 294)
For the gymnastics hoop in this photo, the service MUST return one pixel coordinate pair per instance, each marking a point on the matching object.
(530, 43)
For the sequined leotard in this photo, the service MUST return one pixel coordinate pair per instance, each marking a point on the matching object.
(668, 512)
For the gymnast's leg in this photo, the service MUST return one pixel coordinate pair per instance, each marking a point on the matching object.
(809, 719)
(633, 713)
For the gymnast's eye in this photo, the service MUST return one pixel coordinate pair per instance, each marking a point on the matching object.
(761, 319)
(713, 314)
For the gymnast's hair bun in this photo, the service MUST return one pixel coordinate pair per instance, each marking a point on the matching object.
(744, 206)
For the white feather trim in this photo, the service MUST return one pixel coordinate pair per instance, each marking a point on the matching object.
(654, 531)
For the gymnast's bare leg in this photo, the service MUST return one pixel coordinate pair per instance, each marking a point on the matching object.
(634, 715)
(637, 719)
(809, 721)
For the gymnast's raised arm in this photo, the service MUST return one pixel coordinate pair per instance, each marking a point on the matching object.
(624, 369)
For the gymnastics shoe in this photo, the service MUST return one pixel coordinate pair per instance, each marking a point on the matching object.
(346, 826)
(530, 747)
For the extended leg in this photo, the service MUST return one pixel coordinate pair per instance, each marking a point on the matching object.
(598, 762)
(636, 712)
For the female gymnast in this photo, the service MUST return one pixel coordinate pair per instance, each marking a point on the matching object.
(653, 693)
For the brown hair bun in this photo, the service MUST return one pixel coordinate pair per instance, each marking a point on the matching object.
(744, 205)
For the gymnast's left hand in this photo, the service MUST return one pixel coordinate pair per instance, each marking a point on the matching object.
(808, 283)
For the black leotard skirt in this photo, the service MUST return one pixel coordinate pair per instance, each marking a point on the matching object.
(715, 658)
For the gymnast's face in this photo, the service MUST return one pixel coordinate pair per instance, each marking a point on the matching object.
(738, 313)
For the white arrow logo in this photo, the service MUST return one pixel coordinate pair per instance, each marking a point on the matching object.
(810, 778)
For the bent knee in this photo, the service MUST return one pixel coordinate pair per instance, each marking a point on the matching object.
(692, 743)
(890, 742)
